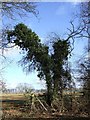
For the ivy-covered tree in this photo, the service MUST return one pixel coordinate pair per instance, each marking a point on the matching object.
(60, 58)
(37, 56)
(50, 67)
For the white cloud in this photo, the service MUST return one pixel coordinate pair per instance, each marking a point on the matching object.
(11, 53)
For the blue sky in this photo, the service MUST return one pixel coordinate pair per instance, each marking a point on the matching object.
(53, 17)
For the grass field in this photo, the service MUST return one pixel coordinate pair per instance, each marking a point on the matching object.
(14, 105)
(11, 104)
(11, 96)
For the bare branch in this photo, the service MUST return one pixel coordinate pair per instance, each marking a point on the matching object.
(74, 33)
(10, 9)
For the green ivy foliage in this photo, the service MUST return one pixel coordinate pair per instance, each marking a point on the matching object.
(49, 66)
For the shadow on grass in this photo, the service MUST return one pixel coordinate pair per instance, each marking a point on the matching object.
(14, 102)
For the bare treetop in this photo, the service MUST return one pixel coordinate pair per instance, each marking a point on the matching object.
(10, 9)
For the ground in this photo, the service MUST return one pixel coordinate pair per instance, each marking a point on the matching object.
(14, 106)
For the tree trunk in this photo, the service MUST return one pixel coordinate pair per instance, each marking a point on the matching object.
(49, 89)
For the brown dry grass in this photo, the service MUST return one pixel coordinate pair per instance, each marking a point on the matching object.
(11, 96)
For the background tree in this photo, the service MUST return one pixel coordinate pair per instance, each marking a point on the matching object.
(24, 88)
(85, 81)
(85, 63)
(2, 86)
(11, 9)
